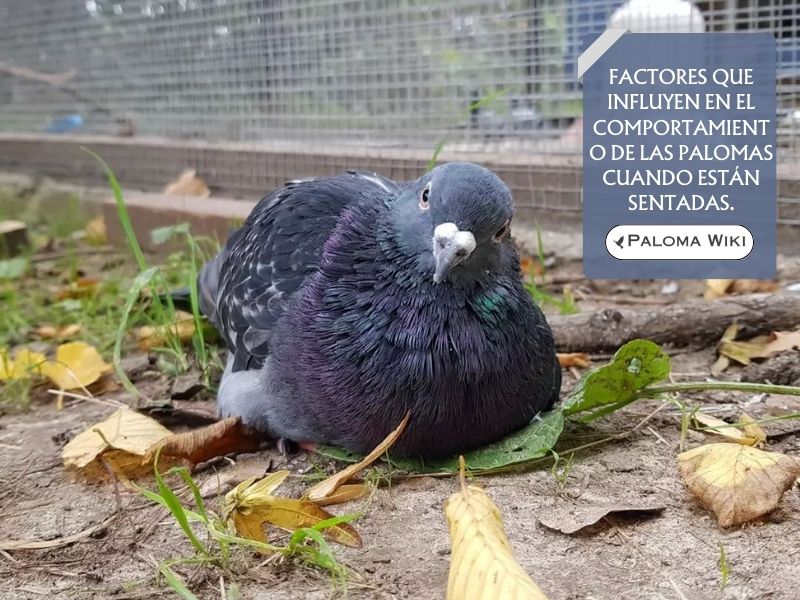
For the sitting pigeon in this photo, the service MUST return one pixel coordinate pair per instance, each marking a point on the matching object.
(348, 301)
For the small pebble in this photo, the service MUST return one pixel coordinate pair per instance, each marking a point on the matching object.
(671, 287)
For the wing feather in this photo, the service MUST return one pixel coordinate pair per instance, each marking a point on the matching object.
(246, 288)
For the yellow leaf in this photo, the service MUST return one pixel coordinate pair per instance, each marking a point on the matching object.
(50, 332)
(760, 347)
(327, 487)
(482, 565)
(752, 429)
(188, 184)
(182, 328)
(96, 233)
(574, 359)
(25, 363)
(717, 288)
(251, 505)
(345, 493)
(719, 427)
(738, 483)
(76, 365)
(122, 439)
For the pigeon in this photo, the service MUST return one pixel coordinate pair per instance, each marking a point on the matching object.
(347, 302)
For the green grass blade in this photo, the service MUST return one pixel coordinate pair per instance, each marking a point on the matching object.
(198, 497)
(122, 211)
(142, 280)
(436, 152)
(176, 508)
(175, 582)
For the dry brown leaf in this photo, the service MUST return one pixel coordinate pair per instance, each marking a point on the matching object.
(580, 360)
(482, 566)
(50, 332)
(753, 286)
(149, 337)
(119, 443)
(717, 288)
(251, 505)
(762, 346)
(327, 487)
(76, 365)
(96, 233)
(80, 288)
(573, 518)
(188, 184)
(199, 445)
(738, 483)
(715, 426)
(752, 429)
(345, 493)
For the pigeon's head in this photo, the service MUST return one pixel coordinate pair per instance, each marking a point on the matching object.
(456, 221)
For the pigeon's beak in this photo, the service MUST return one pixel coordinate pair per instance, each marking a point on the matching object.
(451, 246)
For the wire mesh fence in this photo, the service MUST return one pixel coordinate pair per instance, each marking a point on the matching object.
(494, 76)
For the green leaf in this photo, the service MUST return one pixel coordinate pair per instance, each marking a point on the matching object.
(529, 443)
(162, 235)
(13, 268)
(601, 391)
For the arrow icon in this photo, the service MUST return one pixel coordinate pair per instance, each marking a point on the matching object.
(619, 242)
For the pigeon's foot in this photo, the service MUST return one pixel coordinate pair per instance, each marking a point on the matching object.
(287, 447)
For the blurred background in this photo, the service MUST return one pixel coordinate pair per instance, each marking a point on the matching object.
(251, 93)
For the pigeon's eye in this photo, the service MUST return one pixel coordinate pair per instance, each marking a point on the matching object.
(424, 198)
(502, 232)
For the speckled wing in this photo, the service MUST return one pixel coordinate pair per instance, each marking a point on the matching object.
(245, 289)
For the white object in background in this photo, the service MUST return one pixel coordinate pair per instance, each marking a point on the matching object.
(658, 16)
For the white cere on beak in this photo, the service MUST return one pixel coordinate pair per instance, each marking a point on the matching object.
(451, 246)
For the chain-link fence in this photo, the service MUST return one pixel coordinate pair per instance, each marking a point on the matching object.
(494, 76)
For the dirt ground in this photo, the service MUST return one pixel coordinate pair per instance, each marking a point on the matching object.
(672, 555)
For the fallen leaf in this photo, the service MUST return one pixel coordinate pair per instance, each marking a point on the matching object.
(717, 288)
(188, 184)
(345, 493)
(482, 565)
(529, 443)
(121, 441)
(13, 268)
(574, 359)
(723, 362)
(753, 286)
(49, 332)
(25, 363)
(199, 445)
(752, 429)
(762, 346)
(635, 365)
(573, 518)
(183, 328)
(715, 426)
(76, 365)
(738, 483)
(328, 486)
(251, 505)
(96, 233)
(80, 288)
